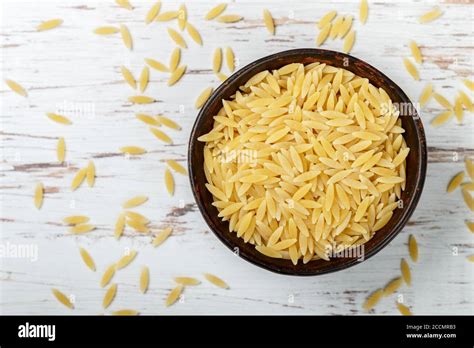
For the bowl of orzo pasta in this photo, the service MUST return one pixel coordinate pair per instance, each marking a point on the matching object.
(307, 161)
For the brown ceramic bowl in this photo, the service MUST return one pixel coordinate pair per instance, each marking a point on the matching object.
(416, 161)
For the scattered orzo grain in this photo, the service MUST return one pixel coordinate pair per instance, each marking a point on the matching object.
(187, 281)
(466, 101)
(16, 87)
(469, 84)
(165, 121)
(373, 299)
(404, 310)
(62, 298)
(230, 59)
(132, 215)
(345, 27)
(268, 21)
(363, 11)
(119, 226)
(203, 97)
(442, 118)
(141, 99)
(349, 42)
(392, 286)
(175, 59)
(326, 19)
(144, 78)
(231, 18)
(125, 260)
(405, 269)
(125, 4)
(81, 228)
(75, 219)
(323, 34)
(182, 17)
(162, 236)
(167, 16)
(126, 312)
(415, 52)
(468, 186)
(431, 15)
(174, 295)
(132, 150)
(58, 118)
(161, 135)
(153, 12)
(78, 178)
(148, 120)
(470, 225)
(426, 94)
(455, 182)
(128, 77)
(469, 167)
(39, 193)
(156, 65)
(144, 279)
(442, 101)
(194, 33)
(468, 199)
(222, 77)
(336, 26)
(134, 202)
(411, 69)
(137, 220)
(470, 258)
(217, 60)
(413, 248)
(61, 150)
(176, 75)
(87, 258)
(458, 110)
(177, 38)
(107, 276)
(213, 279)
(50, 24)
(137, 225)
(169, 182)
(176, 167)
(215, 11)
(106, 30)
(109, 296)
(126, 37)
(90, 174)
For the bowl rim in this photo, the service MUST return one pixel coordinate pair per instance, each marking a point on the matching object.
(414, 198)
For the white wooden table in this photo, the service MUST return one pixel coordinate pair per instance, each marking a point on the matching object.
(70, 69)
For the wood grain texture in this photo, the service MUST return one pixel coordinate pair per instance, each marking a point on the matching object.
(69, 69)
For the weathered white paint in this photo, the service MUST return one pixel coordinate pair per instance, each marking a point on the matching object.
(70, 64)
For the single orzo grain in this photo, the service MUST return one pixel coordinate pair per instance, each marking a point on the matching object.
(62, 298)
(50, 24)
(174, 295)
(39, 194)
(87, 258)
(215, 11)
(16, 87)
